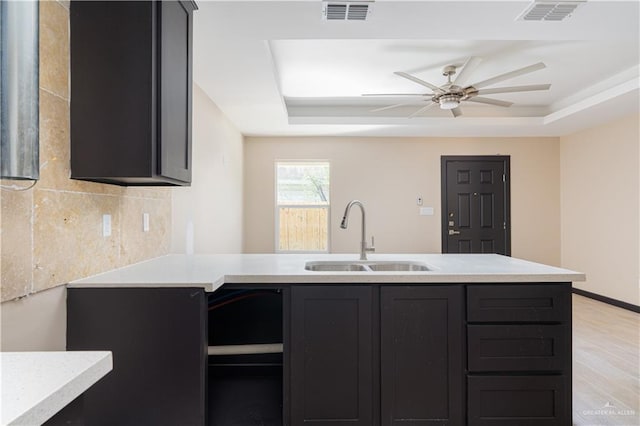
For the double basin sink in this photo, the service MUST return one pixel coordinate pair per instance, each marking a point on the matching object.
(365, 266)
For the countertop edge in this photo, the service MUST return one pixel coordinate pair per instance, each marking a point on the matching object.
(208, 286)
(210, 272)
(46, 408)
(345, 278)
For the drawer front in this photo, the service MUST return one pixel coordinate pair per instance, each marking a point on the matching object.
(507, 348)
(519, 303)
(518, 400)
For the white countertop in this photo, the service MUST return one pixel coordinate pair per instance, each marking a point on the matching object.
(36, 385)
(212, 271)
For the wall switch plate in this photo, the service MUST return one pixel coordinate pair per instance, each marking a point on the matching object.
(145, 222)
(426, 211)
(106, 225)
(419, 200)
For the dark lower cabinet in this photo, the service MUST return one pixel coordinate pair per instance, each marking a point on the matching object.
(159, 342)
(332, 359)
(518, 400)
(521, 347)
(341, 374)
(356, 355)
(519, 354)
(422, 363)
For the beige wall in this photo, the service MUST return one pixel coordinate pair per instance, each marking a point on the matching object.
(207, 217)
(600, 208)
(36, 323)
(52, 234)
(387, 174)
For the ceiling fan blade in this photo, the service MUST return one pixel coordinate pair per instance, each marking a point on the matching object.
(530, 88)
(490, 101)
(397, 94)
(457, 112)
(508, 75)
(388, 107)
(466, 70)
(423, 109)
(419, 81)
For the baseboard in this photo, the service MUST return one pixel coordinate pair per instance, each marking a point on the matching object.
(608, 300)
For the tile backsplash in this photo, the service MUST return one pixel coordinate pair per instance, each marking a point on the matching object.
(52, 234)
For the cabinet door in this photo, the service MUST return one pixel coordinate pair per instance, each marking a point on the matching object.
(112, 90)
(175, 32)
(158, 340)
(331, 355)
(422, 368)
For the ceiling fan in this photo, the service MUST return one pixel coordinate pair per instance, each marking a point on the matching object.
(450, 95)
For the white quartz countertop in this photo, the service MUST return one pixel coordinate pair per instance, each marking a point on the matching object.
(36, 385)
(212, 271)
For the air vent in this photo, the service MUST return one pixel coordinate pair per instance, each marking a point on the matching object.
(346, 11)
(549, 10)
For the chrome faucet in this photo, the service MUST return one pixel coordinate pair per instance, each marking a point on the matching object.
(364, 247)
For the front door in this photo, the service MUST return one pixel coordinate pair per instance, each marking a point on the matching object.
(475, 204)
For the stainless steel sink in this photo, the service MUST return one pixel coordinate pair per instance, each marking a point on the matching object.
(334, 266)
(365, 266)
(397, 266)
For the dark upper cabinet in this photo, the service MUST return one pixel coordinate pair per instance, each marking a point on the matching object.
(131, 90)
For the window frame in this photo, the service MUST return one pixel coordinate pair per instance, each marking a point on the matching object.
(276, 233)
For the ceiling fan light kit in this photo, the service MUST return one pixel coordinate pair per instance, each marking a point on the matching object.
(450, 95)
(450, 101)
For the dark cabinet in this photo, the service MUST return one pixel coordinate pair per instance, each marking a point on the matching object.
(370, 355)
(422, 335)
(245, 385)
(519, 354)
(159, 342)
(332, 355)
(518, 400)
(358, 354)
(131, 90)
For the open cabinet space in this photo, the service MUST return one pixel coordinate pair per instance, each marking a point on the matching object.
(245, 357)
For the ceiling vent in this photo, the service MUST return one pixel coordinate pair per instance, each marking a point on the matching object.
(549, 10)
(346, 11)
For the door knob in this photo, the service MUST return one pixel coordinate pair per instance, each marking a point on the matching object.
(453, 232)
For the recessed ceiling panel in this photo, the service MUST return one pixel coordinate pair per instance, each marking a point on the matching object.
(280, 68)
(350, 68)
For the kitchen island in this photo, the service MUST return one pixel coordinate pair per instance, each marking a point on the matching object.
(258, 339)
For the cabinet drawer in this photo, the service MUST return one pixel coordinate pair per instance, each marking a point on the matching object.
(519, 303)
(518, 347)
(518, 400)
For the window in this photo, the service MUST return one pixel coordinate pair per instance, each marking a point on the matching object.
(302, 206)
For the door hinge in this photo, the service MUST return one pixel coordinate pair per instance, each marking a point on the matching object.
(504, 225)
(504, 179)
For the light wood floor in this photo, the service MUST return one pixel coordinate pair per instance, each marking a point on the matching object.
(606, 358)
